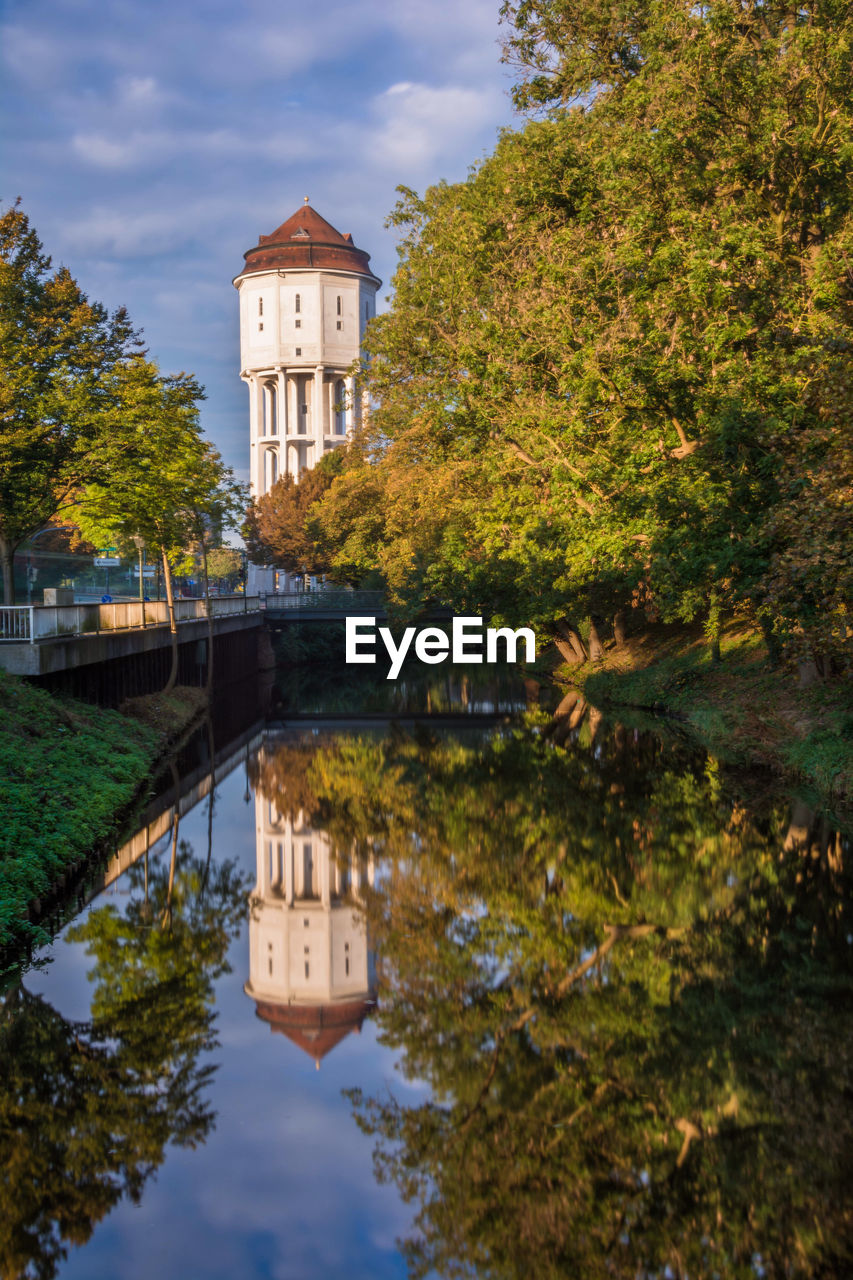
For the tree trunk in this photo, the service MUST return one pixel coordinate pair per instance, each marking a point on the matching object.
(713, 627)
(209, 612)
(173, 626)
(566, 652)
(771, 640)
(808, 673)
(570, 633)
(7, 556)
(166, 918)
(619, 634)
(596, 649)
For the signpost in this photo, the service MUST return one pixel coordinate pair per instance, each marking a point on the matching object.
(107, 559)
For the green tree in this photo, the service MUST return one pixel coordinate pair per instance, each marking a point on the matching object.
(619, 352)
(172, 489)
(63, 363)
(224, 564)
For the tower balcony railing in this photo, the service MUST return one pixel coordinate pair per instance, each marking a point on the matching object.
(30, 623)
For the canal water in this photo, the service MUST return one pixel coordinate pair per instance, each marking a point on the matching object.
(447, 985)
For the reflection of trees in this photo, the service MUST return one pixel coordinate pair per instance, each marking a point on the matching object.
(631, 1003)
(88, 1108)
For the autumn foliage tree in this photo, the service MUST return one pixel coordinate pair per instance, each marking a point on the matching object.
(276, 528)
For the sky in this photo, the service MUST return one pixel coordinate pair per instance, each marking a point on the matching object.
(152, 141)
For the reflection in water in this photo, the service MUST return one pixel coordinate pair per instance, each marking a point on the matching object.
(311, 973)
(622, 983)
(628, 991)
(88, 1108)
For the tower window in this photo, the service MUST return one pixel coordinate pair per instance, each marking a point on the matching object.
(366, 312)
(340, 408)
(340, 312)
(297, 306)
(298, 351)
(260, 306)
(260, 326)
(340, 324)
(346, 963)
(307, 968)
(297, 324)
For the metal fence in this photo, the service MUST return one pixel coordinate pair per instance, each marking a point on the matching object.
(341, 600)
(33, 622)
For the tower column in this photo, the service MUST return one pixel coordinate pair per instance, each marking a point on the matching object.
(282, 403)
(350, 405)
(260, 392)
(288, 866)
(318, 412)
(330, 403)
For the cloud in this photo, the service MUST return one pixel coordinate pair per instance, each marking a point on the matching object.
(420, 126)
(103, 153)
(172, 134)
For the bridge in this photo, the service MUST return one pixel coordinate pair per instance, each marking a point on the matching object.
(38, 639)
(325, 605)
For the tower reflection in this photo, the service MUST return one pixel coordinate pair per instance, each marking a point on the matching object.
(311, 972)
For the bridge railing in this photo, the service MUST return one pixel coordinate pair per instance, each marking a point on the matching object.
(335, 600)
(33, 622)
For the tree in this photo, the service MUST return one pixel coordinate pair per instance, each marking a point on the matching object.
(276, 528)
(224, 564)
(172, 488)
(63, 362)
(611, 356)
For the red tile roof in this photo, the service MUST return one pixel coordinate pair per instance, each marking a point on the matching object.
(316, 1029)
(306, 240)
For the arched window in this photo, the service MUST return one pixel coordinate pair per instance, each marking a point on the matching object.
(270, 410)
(340, 408)
(270, 469)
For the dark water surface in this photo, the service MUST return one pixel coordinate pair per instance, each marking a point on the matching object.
(554, 998)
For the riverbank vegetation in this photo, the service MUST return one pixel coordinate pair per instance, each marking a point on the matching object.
(69, 773)
(615, 375)
(744, 709)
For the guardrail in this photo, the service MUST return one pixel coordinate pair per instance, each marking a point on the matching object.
(30, 623)
(343, 600)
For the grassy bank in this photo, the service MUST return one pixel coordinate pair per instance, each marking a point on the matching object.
(69, 774)
(741, 708)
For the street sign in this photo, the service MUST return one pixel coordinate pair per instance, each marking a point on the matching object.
(107, 562)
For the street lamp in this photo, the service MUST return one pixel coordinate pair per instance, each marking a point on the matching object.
(139, 543)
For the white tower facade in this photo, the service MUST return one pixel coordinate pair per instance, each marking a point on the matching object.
(312, 974)
(306, 296)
